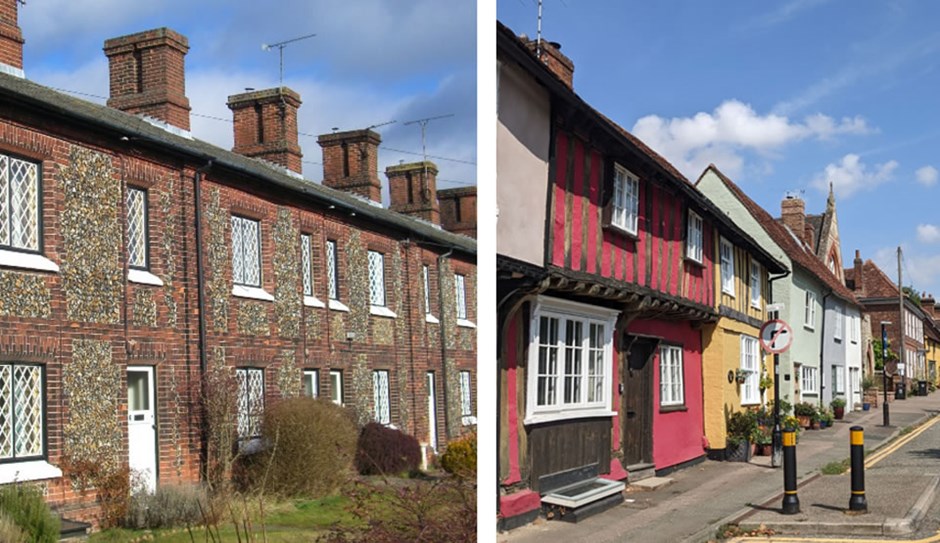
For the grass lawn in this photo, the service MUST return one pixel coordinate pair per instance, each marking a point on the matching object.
(285, 522)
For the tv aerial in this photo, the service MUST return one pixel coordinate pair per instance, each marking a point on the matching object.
(280, 47)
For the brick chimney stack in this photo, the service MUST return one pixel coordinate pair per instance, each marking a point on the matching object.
(929, 305)
(793, 214)
(266, 126)
(11, 38)
(350, 162)
(148, 75)
(413, 190)
(858, 277)
(549, 52)
(459, 210)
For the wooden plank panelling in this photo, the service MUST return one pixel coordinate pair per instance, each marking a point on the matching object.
(562, 445)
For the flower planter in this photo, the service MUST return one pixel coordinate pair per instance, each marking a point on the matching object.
(839, 412)
(738, 452)
(866, 406)
(804, 421)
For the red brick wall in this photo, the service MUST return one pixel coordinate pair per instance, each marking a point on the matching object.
(11, 38)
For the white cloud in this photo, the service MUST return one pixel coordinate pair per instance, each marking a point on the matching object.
(920, 270)
(928, 233)
(690, 143)
(926, 176)
(851, 175)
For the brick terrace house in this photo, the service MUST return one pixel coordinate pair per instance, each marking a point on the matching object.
(605, 277)
(135, 258)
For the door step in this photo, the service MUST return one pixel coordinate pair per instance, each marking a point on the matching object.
(651, 483)
(581, 500)
(638, 472)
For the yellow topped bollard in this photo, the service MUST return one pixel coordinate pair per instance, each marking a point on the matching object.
(858, 502)
(791, 502)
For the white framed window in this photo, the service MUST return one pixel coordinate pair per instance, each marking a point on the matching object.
(250, 401)
(246, 252)
(376, 278)
(671, 376)
(626, 200)
(756, 285)
(750, 363)
(854, 328)
(809, 379)
(570, 359)
(838, 380)
(466, 405)
(694, 238)
(22, 421)
(336, 386)
(19, 204)
(311, 383)
(727, 266)
(332, 270)
(809, 310)
(137, 229)
(426, 276)
(460, 288)
(838, 319)
(307, 263)
(380, 400)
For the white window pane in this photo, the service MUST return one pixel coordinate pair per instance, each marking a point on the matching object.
(311, 383)
(466, 405)
(376, 278)
(380, 396)
(332, 270)
(250, 401)
(461, 296)
(336, 386)
(427, 289)
(306, 264)
(246, 252)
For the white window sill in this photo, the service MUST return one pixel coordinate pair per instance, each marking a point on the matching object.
(465, 323)
(143, 277)
(382, 311)
(27, 261)
(468, 420)
(431, 318)
(313, 301)
(254, 293)
(33, 470)
(582, 413)
(723, 291)
(337, 305)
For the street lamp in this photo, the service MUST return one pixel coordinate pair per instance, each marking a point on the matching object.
(884, 372)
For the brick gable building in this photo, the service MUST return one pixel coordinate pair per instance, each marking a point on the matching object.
(134, 259)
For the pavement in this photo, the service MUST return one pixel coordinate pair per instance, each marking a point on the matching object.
(703, 497)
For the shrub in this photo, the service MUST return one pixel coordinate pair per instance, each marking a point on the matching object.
(168, 507)
(309, 449)
(386, 451)
(25, 507)
(837, 403)
(9, 531)
(804, 409)
(460, 458)
(741, 426)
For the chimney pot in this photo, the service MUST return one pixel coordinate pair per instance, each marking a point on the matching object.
(412, 190)
(350, 162)
(266, 126)
(550, 54)
(793, 215)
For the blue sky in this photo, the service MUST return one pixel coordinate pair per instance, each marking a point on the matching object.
(782, 97)
(371, 62)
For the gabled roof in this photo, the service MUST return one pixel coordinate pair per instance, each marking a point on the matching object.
(798, 252)
(510, 44)
(118, 124)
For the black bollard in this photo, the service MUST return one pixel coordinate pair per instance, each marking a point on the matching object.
(857, 502)
(791, 502)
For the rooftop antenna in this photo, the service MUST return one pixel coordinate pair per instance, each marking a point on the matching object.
(424, 151)
(380, 124)
(280, 46)
(538, 34)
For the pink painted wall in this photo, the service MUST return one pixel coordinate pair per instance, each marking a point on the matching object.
(678, 435)
(511, 339)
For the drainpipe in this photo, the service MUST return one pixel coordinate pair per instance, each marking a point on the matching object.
(440, 297)
(201, 299)
(822, 349)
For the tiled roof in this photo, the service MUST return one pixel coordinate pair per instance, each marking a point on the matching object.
(798, 252)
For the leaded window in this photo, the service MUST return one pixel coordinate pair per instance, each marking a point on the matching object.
(671, 378)
(246, 252)
(19, 204)
(332, 270)
(376, 278)
(380, 397)
(466, 405)
(460, 285)
(305, 252)
(250, 401)
(137, 231)
(426, 272)
(22, 432)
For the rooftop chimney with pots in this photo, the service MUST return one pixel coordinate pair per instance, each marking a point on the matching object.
(147, 75)
(266, 126)
(549, 52)
(459, 210)
(350, 162)
(929, 305)
(858, 278)
(793, 214)
(413, 190)
(11, 38)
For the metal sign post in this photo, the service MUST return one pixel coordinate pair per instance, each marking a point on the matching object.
(776, 337)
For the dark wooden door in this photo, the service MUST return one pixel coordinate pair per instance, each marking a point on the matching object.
(637, 414)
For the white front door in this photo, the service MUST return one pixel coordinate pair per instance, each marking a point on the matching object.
(432, 413)
(141, 425)
(855, 388)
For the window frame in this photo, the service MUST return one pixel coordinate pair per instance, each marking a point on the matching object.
(381, 404)
(756, 284)
(562, 311)
(466, 398)
(9, 203)
(729, 268)
(838, 323)
(43, 417)
(809, 310)
(667, 401)
(625, 205)
(693, 252)
(809, 374)
(750, 362)
(838, 380)
(460, 299)
(145, 222)
(260, 252)
(336, 392)
(247, 371)
(314, 376)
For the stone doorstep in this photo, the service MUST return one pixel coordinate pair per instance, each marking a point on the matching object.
(652, 483)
